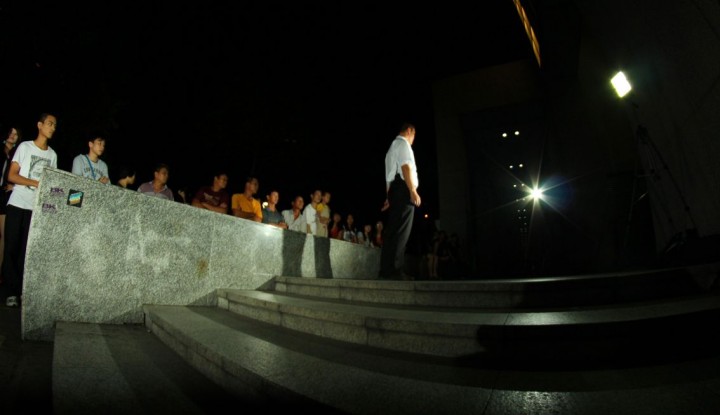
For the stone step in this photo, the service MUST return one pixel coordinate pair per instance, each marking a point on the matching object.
(301, 371)
(567, 291)
(125, 369)
(260, 368)
(569, 335)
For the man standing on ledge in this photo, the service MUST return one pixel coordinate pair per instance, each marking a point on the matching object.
(401, 182)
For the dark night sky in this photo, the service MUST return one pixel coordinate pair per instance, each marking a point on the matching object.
(302, 96)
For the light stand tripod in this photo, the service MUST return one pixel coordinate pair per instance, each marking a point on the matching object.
(653, 158)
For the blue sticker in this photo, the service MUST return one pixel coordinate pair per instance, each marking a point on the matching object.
(75, 198)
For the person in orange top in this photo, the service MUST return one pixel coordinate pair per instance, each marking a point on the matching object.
(244, 205)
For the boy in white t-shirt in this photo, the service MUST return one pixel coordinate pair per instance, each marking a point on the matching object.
(28, 163)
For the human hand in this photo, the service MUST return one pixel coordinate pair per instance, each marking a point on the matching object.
(104, 180)
(385, 206)
(415, 199)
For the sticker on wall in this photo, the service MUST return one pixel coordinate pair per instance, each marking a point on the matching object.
(49, 208)
(57, 192)
(75, 198)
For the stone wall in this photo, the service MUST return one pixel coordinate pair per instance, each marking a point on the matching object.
(96, 253)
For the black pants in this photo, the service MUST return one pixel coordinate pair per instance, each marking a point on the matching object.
(17, 227)
(397, 231)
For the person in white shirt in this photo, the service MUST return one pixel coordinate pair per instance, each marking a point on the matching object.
(294, 217)
(28, 163)
(311, 213)
(401, 183)
(89, 165)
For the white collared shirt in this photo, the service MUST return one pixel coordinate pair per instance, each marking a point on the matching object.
(399, 154)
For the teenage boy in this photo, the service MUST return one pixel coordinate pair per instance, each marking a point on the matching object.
(28, 163)
(89, 165)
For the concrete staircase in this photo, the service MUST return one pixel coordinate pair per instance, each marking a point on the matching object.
(369, 346)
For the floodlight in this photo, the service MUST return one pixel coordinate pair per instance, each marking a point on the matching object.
(621, 84)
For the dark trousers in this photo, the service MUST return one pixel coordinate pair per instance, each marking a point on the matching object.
(17, 227)
(397, 231)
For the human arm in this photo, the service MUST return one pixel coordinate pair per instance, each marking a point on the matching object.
(15, 177)
(247, 215)
(407, 174)
(386, 203)
(281, 224)
(310, 215)
(237, 208)
(223, 208)
(242, 214)
(104, 173)
(274, 218)
(219, 209)
(77, 167)
(257, 211)
(8, 187)
(254, 215)
(325, 216)
(197, 203)
(199, 200)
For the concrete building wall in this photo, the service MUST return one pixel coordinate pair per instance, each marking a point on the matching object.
(631, 199)
(670, 51)
(453, 98)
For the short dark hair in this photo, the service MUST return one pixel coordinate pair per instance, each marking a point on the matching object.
(94, 135)
(161, 166)
(44, 116)
(406, 126)
(126, 171)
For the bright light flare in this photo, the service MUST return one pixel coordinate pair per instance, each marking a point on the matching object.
(621, 84)
(536, 193)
